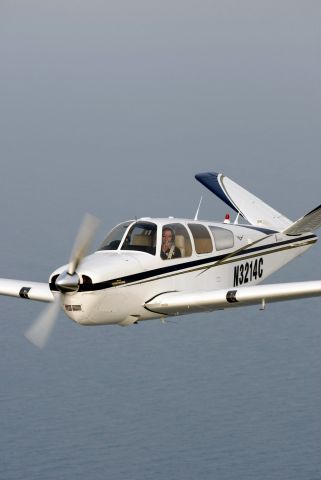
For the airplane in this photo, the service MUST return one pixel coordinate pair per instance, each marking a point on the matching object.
(155, 268)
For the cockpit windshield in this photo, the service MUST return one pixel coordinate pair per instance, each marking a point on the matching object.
(142, 237)
(114, 238)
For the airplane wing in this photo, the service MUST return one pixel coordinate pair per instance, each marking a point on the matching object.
(308, 223)
(24, 289)
(254, 210)
(181, 303)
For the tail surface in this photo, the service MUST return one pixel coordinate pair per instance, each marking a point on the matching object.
(308, 223)
(254, 210)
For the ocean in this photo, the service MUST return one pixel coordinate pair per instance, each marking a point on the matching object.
(226, 395)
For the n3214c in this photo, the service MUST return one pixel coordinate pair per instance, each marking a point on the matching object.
(248, 271)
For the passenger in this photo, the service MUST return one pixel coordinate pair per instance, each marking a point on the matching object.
(168, 249)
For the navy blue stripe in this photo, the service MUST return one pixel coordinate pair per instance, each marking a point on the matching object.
(136, 277)
(210, 181)
(273, 245)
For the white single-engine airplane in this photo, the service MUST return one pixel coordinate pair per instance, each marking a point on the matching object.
(157, 267)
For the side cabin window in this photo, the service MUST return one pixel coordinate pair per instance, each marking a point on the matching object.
(176, 242)
(202, 239)
(113, 239)
(223, 238)
(142, 237)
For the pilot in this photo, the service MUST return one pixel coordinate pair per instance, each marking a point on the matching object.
(168, 249)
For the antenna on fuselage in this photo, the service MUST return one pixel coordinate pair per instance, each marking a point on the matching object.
(236, 221)
(198, 208)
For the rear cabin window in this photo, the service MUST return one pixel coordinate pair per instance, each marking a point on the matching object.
(176, 242)
(223, 238)
(142, 237)
(202, 239)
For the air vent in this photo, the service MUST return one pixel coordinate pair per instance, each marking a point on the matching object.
(73, 308)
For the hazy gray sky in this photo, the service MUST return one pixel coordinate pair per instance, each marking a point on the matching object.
(112, 107)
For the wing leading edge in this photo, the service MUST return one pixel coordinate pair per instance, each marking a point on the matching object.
(181, 303)
(24, 289)
(254, 210)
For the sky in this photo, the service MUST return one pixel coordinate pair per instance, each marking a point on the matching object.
(112, 107)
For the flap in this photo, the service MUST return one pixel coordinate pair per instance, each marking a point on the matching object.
(181, 303)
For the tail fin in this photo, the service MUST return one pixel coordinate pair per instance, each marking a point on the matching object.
(310, 222)
(254, 210)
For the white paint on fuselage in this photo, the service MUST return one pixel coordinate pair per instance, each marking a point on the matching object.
(124, 303)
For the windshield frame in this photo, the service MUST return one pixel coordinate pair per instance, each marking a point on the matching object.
(129, 224)
(150, 250)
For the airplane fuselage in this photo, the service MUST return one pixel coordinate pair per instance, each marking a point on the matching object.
(117, 284)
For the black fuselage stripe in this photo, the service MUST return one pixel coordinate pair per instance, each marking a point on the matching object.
(150, 274)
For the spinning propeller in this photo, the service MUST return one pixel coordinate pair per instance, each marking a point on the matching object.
(67, 282)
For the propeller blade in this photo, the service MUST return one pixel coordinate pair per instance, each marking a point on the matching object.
(39, 331)
(83, 240)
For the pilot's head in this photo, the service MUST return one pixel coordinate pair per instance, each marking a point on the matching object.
(168, 236)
